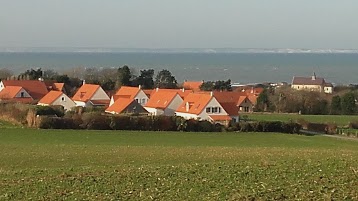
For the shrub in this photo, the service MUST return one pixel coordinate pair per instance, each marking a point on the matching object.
(50, 110)
(47, 122)
(317, 127)
(95, 121)
(120, 123)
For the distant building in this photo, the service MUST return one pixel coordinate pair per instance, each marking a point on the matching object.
(91, 95)
(57, 98)
(163, 103)
(21, 90)
(312, 83)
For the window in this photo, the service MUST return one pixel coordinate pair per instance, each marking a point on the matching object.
(63, 98)
(219, 109)
(214, 110)
(247, 109)
(22, 94)
(143, 100)
(137, 100)
(208, 110)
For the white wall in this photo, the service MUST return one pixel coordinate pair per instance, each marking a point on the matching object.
(100, 95)
(186, 115)
(67, 103)
(328, 90)
(81, 104)
(26, 95)
(213, 103)
(154, 111)
(1, 86)
(140, 96)
(173, 106)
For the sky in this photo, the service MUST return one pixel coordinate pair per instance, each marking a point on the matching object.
(179, 23)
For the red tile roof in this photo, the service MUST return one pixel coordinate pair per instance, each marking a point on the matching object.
(161, 99)
(148, 92)
(119, 105)
(230, 108)
(308, 81)
(50, 97)
(195, 103)
(10, 92)
(35, 88)
(220, 117)
(85, 92)
(128, 91)
(182, 92)
(192, 85)
(58, 86)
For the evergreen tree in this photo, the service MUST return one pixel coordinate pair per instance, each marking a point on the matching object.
(124, 76)
(348, 103)
(165, 80)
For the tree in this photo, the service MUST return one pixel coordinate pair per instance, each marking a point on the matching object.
(348, 103)
(124, 76)
(145, 79)
(262, 101)
(166, 80)
(31, 74)
(49, 74)
(5, 73)
(219, 85)
(336, 105)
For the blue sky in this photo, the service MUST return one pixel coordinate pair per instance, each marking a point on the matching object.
(179, 23)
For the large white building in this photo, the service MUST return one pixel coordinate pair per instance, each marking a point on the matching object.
(312, 83)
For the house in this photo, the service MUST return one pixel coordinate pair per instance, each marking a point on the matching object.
(134, 93)
(91, 95)
(163, 103)
(15, 94)
(182, 92)
(125, 105)
(192, 85)
(312, 83)
(55, 86)
(203, 106)
(57, 98)
(244, 102)
(35, 88)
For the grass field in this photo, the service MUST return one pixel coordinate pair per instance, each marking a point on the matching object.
(118, 165)
(340, 120)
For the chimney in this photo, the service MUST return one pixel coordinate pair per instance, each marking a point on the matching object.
(314, 76)
(157, 89)
(83, 82)
(140, 86)
(183, 90)
(187, 106)
(211, 93)
(252, 90)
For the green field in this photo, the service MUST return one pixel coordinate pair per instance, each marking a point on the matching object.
(121, 165)
(340, 120)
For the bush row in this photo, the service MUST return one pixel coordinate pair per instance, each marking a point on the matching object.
(97, 121)
(267, 126)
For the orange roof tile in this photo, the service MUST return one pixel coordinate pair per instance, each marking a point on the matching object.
(148, 92)
(50, 97)
(58, 86)
(182, 92)
(220, 117)
(161, 99)
(192, 85)
(85, 92)
(128, 91)
(252, 98)
(35, 88)
(194, 103)
(10, 92)
(119, 105)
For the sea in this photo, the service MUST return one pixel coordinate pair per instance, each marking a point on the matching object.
(242, 66)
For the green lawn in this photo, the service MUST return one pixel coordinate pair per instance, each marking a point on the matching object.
(117, 165)
(340, 120)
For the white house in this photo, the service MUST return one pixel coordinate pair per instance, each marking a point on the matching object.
(57, 98)
(163, 103)
(312, 83)
(15, 93)
(91, 95)
(134, 93)
(203, 107)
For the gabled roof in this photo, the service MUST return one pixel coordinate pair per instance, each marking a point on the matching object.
(192, 85)
(85, 92)
(230, 108)
(10, 92)
(194, 103)
(35, 88)
(148, 92)
(130, 92)
(161, 99)
(119, 105)
(58, 86)
(252, 98)
(308, 81)
(50, 97)
(182, 92)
